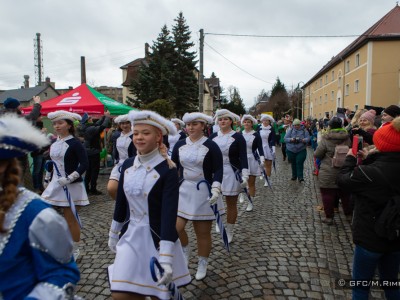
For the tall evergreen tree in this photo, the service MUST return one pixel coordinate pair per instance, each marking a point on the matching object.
(155, 81)
(184, 78)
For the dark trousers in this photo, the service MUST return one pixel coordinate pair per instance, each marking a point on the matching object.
(37, 172)
(283, 147)
(92, 173)
(297, 160)
(330, 196)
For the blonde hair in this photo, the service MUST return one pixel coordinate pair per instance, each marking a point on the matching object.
(164, 152)
(357, 116)
(11, 179)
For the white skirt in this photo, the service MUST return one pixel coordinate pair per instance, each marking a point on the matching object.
(55, 195)
(267, 153)
(116, 171)
(254, 167)
(131, 269)
(230, 185)
(193, 203)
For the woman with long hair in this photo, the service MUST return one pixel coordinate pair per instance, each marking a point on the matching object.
(254, 148)
(233, 148)
(123, 148)
(69, 163)
(197, 158)
(35, 244)
(148, 190)
(267, 134)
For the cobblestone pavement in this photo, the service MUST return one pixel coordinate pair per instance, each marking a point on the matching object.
(281, 250)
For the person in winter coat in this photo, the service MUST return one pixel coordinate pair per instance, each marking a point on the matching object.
(296, 140)
(336, 135)
(372, 184)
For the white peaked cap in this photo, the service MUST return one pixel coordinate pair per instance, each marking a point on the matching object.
(266, 117)
(122, 118)
(249, 117)
(18, 137)
(180, 122)
(152, 118)
(197, 117)
(63, 115)
(224, 113)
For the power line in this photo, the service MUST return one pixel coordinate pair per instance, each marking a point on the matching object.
(243, 70)
(285, 36)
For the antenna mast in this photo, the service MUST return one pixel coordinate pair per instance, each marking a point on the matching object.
(38, 52)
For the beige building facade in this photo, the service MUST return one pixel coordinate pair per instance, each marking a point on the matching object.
(366, 72)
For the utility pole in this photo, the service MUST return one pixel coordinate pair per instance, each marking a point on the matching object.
(201, 76)
(83, 70)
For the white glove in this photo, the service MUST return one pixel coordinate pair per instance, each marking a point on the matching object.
(63, 181)
(243, 184)
(215, 194)
(262, 160)
(167, 277)
(46, 179)
(112, 244)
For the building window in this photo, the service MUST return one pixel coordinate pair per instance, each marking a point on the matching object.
(347, 66)
(320, 82)
(357, 60)
(326, 79)
(356, 86)
(320, 99)
(347, 90)
(333, 75)
(355, 107)
(332, 95)
(339, 81)
(326, 98)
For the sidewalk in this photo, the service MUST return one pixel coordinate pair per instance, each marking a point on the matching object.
(281, 250)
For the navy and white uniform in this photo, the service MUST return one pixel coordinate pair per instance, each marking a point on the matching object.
(253, 144)
(148, 189)
(173, 139)
(36, 251)
(123, 149)
(199, 160)
(233, 148)
(268, 137)
(69, 156)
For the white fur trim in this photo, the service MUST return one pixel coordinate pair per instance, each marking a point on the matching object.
(180, 122)
(197, 116)
(63, 115)
(224, 113)
(266, 117)
(13, 126)
(154, 119)
(249, 117)
(121, 118)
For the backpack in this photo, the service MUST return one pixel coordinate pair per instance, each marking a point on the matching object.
(339, 155)
(387, 224)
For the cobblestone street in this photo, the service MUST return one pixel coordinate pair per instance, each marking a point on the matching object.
(281, 250)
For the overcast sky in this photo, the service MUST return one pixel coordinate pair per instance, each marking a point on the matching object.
(112, 33)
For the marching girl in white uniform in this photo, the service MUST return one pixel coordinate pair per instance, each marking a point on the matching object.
(173, 139)
(198, 158)
(268, 137)
(233, 148)
(70, 157)
(254, 144)
(123, 149)
(149, 190)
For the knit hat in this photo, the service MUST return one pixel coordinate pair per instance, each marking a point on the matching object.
(369, 115)
(296, 122)
(335, 123)
(387, 138)
(11, 103)
(392, 110)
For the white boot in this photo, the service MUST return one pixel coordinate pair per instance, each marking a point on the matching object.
(186, 253)
(241, 198)
(76, 252)
(202, 268)
(229, 231)
(266, 183)
(216, 227)
(249, 206)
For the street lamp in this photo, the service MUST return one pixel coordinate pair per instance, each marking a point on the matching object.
(297, 108)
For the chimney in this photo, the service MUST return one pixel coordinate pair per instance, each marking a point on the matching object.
(26, 81)
(83, 70)
(146, 50)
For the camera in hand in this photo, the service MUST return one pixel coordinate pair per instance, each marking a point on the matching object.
(296, 140)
